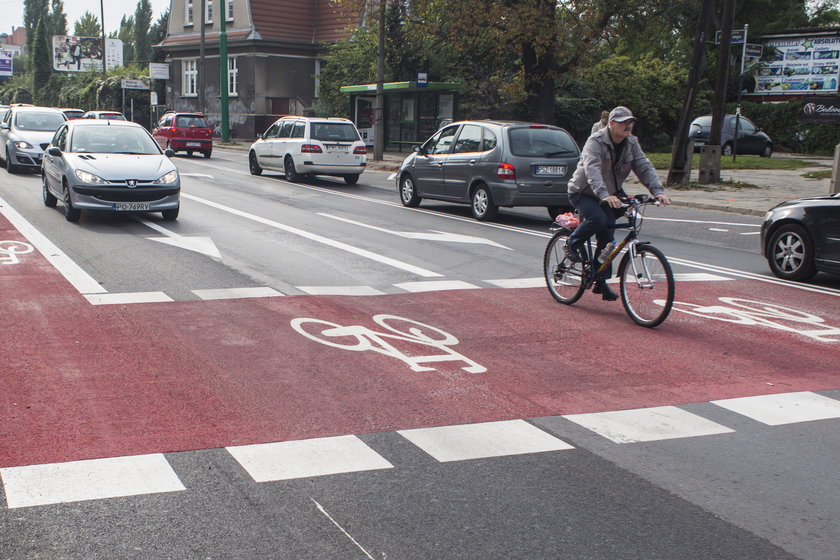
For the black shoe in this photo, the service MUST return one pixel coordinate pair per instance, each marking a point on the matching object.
(606, 293)
(572, 254)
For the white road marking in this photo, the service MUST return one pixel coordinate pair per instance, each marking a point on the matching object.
(287, 460)
(434, 236)
(237, 293)
(479, 441)
(647, 424)
(38, 485)
(128, 297)
(720, 230)
(74, 274)
(436, 285)
(538, 282)
(203, 245)
(340, 528)
(340, 290)
(785, 408)
(204, 175)
(318, 238)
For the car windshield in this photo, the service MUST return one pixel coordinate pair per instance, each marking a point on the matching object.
(73, 114)
(38, 121)
(334, 132)
(112, 140)
(541, 142)
(112, 116)
(186, 121)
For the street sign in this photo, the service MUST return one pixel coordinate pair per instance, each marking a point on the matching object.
(153, 98)
(753, 50)
(159, 70)
(422, 79)
(737, 37)
(134, 84)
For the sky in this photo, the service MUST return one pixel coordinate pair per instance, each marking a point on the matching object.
(114, 12)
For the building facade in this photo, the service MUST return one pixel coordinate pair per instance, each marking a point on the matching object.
(274, 49)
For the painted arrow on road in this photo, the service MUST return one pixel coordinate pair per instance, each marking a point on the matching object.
(203, 245)
(433, 235)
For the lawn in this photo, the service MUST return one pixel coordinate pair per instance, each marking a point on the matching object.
(663, 161)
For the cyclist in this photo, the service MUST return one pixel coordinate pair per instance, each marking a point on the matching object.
(605, 163)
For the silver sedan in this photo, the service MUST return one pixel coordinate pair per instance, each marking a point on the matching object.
(111, 166)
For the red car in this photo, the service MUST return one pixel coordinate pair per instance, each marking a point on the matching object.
(188, 132)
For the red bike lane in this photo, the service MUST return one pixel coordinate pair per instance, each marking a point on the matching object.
(82, 381)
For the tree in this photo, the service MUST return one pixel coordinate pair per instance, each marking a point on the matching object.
(57, 20)
(142, 22)
(157, 33)
(41, 62)
(126, 35)
(33, 10)
(87, 26)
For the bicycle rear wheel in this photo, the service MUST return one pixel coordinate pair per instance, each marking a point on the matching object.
(563, 277)
(647, 285)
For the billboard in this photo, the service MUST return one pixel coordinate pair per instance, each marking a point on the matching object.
(84, 54)
(6, 63)
(798, 65)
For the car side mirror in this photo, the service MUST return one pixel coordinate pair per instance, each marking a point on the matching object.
(54, 151)
(260, 136)
(420, 150)
(4, 126)
(169, 152)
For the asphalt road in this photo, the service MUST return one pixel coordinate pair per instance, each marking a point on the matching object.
(174, 390)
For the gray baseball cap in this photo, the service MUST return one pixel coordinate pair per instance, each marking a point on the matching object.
(621, 114)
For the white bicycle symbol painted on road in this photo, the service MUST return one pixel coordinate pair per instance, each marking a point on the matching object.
(747, 312)
(9, 251)
(358, 338)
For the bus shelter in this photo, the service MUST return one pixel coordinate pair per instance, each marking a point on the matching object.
(413, 112)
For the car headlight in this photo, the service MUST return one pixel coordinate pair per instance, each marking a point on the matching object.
(21, 145)
(169, 178)
(90, 178)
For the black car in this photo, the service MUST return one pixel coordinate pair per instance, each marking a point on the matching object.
(802, 237)
(751, 140)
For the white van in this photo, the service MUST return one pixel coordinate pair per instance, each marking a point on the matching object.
(306, 146)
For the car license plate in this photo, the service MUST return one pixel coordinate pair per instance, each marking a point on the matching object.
(550, 170)
(336, 148)
(131, 206)
(193, 144)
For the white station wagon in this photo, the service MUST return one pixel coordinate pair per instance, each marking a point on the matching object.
(307, 146)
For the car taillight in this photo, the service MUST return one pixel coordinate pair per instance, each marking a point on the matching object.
(506, 171)
(311, 149)
(360, 150)
(173, 130)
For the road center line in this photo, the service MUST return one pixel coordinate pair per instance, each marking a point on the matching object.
(318, 238)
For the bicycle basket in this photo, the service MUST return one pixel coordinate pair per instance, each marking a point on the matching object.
(567, 220)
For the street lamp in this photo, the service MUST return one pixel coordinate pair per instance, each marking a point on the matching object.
(379, 106)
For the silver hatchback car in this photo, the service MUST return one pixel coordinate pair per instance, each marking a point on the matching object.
(489, 164)
(106, 165)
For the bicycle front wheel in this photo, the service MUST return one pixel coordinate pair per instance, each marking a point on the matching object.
(563, 277)
(647, 285)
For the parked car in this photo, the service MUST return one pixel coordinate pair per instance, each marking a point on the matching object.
(488, 164)
(751, 139)
(112, 115)
(24, 133)
(113, 166)
(307, 146)
(801, 237)
(184, 131)
(72, 113)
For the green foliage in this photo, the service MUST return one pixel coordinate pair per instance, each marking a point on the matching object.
(142, 21)
(87, 26)
(126, 35)
(348, 62)
(781, 122)
(42, 63)
(56, 20)
(157, 33)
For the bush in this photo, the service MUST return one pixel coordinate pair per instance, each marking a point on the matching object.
(781, 122)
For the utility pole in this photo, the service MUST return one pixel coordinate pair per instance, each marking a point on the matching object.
(223, 72)
(680, 171)
(379, 106)
(200, 54)
(740, 87)
(102, 15)
(710, 153)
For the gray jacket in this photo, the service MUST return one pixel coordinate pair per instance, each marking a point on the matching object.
(597, 175)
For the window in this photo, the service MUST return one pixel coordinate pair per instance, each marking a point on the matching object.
(229, 10)
(190, 77)
(489, 140)
(469, 140)
(188, 12)
(272, 131)
(233, 76)
(297, 131)
(441, 142)
(60, 140)
(286, 129)
(208, 11)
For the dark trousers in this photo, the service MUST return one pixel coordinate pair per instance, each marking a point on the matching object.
(598, 220)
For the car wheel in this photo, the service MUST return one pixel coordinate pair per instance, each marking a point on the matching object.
(49, 200)
(408, 192)
(289, 168)
(170, 215)
(207, 154)
(169, 147)
(351, 179)
(70, 214)
(482, 205)
(10, 167)
(253, 164)
(791, 253)
(727, 149)
(768, 151)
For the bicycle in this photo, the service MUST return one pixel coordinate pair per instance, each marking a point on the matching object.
(645, 276)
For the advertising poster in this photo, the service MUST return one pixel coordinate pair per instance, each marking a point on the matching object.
(6, 63)
(800, 65)
(84, 54)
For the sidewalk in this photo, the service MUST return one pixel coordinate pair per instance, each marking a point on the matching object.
(771, 187)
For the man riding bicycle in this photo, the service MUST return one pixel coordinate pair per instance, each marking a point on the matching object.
(605, 163)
